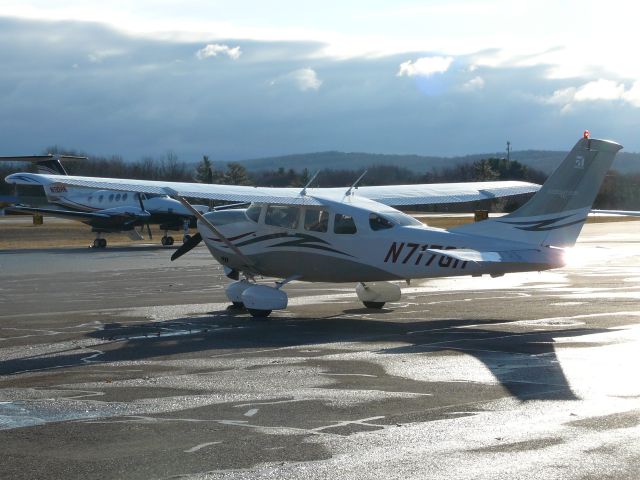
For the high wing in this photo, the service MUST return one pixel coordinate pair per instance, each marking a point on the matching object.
(392, 195)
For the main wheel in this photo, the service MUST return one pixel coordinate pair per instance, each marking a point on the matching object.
(96, 243)
(259, 313)
(186, 238)
(169, 240)
(103, 243)
(377, 305)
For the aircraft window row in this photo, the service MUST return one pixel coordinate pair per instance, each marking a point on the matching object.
(119, 197)
(313, 219)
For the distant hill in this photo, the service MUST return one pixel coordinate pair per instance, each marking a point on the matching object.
(544, 160)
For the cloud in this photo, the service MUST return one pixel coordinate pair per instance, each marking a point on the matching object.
(476, 83)
(304, 79)
(425, 66)
(214, 49)
(99, 55)
(596, 90)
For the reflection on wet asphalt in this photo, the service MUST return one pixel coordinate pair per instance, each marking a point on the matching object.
(124, 364)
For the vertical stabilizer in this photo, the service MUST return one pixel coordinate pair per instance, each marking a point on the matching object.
(556, 213)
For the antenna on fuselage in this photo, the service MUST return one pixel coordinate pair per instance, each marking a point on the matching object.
(355, 184)
(303, 192)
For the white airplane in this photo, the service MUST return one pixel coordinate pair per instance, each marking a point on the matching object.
(333, 235)
(105, 211)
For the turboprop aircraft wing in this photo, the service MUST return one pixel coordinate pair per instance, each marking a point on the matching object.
(391, 195)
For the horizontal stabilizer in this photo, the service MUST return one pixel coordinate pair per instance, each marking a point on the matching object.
(529, 255)
(19, 210)
(624, 213)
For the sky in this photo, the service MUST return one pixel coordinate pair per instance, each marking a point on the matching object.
(247, 79)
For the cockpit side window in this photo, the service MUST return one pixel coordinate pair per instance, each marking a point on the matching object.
(316, 220)
(344, 224)
(253, 213)
(376, 222)
(282, 216)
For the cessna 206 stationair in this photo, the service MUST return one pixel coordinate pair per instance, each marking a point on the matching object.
(105, 211)
(333, 235)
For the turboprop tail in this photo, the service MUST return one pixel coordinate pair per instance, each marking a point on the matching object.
(555, 215)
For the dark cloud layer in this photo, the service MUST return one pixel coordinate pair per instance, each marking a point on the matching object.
(86, 86)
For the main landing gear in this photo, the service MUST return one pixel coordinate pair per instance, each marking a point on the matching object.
(166, 240)
(99, 242)
(261, 300)
(376, 294)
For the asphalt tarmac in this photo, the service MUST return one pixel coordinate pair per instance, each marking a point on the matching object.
(120, 364)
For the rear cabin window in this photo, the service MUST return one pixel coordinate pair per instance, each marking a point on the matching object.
(316, 220)
(376, 222)
(253, 213)
(282, 216)
(344, 224)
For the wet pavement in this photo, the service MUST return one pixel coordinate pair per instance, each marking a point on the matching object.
(121, 364)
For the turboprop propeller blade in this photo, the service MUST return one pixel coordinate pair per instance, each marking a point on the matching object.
(186, 246)
(139, 195)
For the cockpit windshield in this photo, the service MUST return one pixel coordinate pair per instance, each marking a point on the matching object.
(387, 220)
(402, 219)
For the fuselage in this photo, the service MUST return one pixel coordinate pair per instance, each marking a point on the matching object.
(355, 241)
(162, 209)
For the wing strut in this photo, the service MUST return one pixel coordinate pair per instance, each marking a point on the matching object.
(303, 192)
(355, 184)
(173, 194)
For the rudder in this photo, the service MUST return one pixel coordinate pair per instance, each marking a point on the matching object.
(556, 213)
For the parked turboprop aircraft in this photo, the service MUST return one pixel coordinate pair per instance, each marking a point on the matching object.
(332, 235)
(105, 211)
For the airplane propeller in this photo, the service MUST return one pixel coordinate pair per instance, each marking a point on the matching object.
(187, 246)
(144, 210)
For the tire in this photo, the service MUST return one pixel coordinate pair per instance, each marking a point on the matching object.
(186, 238)
(169, 240)
(96, 243)
(259, 313)
(377, 305)
(237, 305)
(103, 243)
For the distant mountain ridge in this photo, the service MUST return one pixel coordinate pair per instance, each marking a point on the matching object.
(543, 160)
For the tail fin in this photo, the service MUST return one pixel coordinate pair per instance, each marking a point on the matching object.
(556, 213)
(49, 164)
